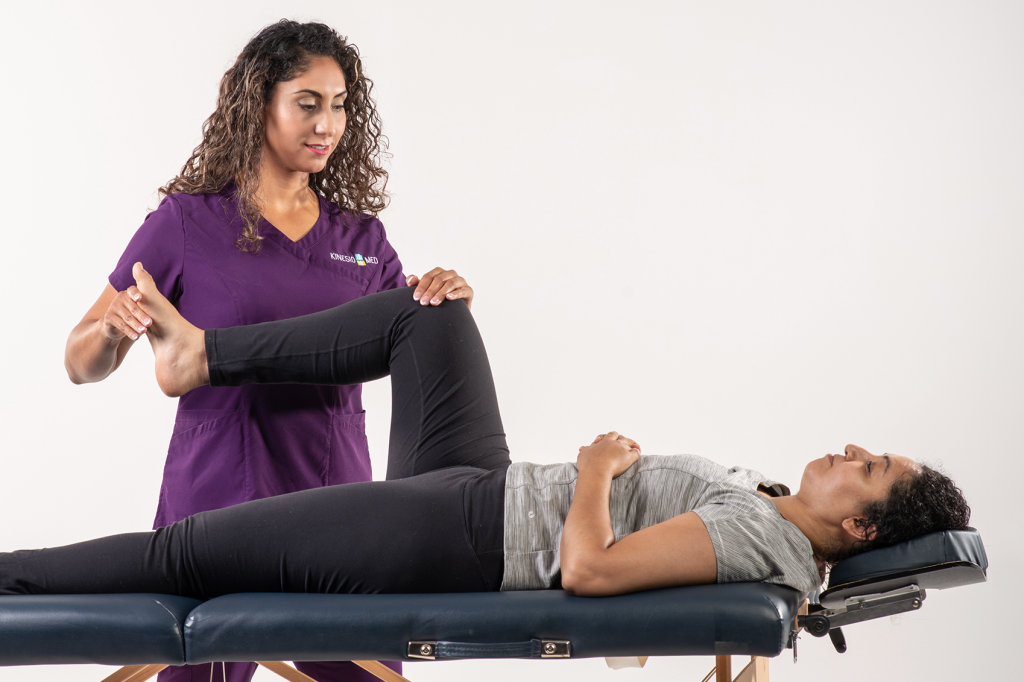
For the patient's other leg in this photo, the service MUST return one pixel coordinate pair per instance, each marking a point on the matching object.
(444, 413)
(404, 536)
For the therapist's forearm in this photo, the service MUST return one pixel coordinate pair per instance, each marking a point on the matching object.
(90, 355)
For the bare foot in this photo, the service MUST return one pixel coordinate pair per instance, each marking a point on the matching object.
(179, 347)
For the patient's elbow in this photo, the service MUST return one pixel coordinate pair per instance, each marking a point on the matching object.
(570, 582)
(580, 581)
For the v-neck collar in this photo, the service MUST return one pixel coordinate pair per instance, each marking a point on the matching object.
(306, 241)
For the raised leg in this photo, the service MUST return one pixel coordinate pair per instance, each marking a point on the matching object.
(445, 411)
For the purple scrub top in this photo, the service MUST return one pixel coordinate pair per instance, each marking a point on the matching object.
(232, 445)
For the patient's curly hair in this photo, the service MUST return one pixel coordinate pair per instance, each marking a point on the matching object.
(917, 504)
(233, 135)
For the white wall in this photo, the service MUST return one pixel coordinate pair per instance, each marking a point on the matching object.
(753, 231)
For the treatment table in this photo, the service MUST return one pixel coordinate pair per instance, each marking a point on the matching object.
(148, 632)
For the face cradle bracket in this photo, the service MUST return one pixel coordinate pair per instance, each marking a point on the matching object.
(821, 621)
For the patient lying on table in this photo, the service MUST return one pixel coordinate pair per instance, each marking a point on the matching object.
(455, 514)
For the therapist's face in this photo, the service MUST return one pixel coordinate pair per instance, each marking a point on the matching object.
(305, 119)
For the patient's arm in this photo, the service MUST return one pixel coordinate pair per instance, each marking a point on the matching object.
(675, 552)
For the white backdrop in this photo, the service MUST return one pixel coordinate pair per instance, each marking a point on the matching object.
(753, 233)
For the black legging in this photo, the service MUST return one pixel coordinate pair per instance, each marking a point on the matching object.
(436, 524)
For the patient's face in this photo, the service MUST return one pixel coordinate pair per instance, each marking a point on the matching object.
(840, 486)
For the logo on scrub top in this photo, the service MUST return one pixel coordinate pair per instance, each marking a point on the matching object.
(357, 258)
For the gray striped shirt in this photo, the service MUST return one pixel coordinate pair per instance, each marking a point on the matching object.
(753, 543)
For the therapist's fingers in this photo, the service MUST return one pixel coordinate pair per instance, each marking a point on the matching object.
(455, 289)
(423, 283)
(459, 289)
(439, 285)
(432, 290)
(125, 317)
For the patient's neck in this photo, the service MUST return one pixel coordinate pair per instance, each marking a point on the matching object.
(794, 510)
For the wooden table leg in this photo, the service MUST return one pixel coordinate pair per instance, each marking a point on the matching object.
(380, 670)
(723, 668)
(289, 673)
(135, 673)
(286, 671)
(756, 670)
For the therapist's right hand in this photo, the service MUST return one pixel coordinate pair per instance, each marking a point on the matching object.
(125, 317)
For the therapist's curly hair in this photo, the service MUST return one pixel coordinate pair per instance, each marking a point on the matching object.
(917, 504)
(233, 135)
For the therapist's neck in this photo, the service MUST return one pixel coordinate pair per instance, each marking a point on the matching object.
(282, 190)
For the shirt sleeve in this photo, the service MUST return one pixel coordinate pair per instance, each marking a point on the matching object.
(752, 547)
(392, 276)
(159, 244)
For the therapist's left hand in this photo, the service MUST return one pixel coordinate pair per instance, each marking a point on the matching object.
(440, 285)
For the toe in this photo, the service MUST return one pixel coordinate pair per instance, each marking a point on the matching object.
(141, 277)
(144, 282)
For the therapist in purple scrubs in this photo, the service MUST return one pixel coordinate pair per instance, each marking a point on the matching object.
(272, 217)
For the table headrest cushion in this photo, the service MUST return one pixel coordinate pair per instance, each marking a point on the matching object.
(937, 561)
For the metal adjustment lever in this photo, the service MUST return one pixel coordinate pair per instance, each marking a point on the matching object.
(838, 640)
(863, 607)
(815, 624)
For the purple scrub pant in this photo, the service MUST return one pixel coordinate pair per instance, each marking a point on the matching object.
(436, 524)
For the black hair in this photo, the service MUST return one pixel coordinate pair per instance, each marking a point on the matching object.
(917, 504)
(354, 178)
